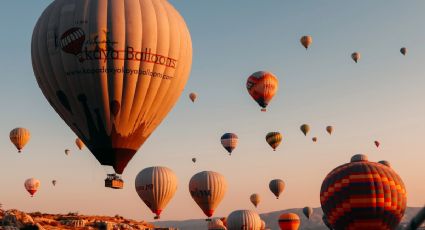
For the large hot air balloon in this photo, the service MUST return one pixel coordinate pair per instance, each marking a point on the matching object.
(262, 86)
(329, 129)
(193, 96)
(112, 70)
(67, 152)
(377, 144)
(363, 195)
(243, 220)
(356, 56)
(305, 129)
(306, 41)
(255, 199)
(229, 141)
(308, 211)
(216, 224)
(289, 221)
(277, 186)
(20, 137)
(79, 143)
(156, 186)
(32, 185)
(208, 188)
(54, 182)
(403, 51)
(274, 139)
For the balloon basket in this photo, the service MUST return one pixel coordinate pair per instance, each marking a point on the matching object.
(114, 181)
(263, 110)
(156, 217)
(209, 219)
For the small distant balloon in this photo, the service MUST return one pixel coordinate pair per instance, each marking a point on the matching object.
(274, 139)
(403, 51)
(194, 160)
(32, 185)
(355, 56)
(386, 163)
(229, 141)
(277, 186)
(305, 129)
(262, 86)
(255, 199)
(20, 137)
(377, 144)
(314, 139)
(308, 211)
(306, 41)
(329, 129)
(79, 143)
(193, 96)
(67, 152)
(54, 182)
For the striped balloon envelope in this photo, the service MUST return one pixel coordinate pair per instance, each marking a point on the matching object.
(274, 139)
(229, 141)
(289, 221)
(363, 195)
(262, 86)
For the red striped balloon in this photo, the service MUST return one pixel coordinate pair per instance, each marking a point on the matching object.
(363, 195)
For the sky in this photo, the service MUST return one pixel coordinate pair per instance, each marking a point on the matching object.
(379, 98)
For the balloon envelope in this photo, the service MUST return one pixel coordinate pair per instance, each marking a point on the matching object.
(79, 143)
(329, 129)
(229, 141)
(156, 186)
(274, 139)
(193, 96)
(208, 188)
(356, 56)
(243, 220)
(305, 129)
(255, 199)
(277, 186)
(262, 86)
(19, 137)
(289, 221)
(306, 41)
(32, 185)
(112, 70)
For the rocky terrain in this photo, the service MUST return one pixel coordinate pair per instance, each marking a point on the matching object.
(15, 219)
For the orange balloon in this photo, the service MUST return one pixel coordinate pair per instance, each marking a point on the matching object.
(79, 143)
(289, 221)
(20, 137)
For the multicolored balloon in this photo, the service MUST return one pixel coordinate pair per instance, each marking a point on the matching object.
(156, 186)
(208, 188)
(355, 56)
(274, 139)
(289, 221)
(306, 41)
(20, 137)
(229, 141)
(262, 86)
(32, 185)
(363, 195)
(305, 129)
(308, 211)
(255, 199)
(112, 70)
(243, 220)
(193, 96)
(277, 186)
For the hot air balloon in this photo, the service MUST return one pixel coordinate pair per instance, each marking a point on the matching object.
(306, 41)
(216, 224)
(224, 220)
(329, 129)
(79, 143)
(356, 56)
(255, 199)
(193, 96)
(194, 160)
(262, 86)
(54, 182)
(314, 139)
(289, 221)
(308, 211)
(305, 129)
(32, 185)
(243, 220)
(377, 144)
(208, 188)
(374, 193)
(277, 186)
(67, 152)
(156, 186)
(112, 70)
(229, 141)
(386, 163)
(274, 139)
(20, 137)
(325, 221)
(403, 51)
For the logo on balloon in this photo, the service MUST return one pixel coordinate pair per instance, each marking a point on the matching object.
(72, 42)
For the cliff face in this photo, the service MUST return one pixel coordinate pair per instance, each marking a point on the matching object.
(15, 219)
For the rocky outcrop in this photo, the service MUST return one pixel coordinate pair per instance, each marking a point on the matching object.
(18, 219)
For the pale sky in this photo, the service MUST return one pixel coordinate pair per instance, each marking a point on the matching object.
(381, 98)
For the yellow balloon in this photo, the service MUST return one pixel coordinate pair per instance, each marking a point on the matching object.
(20, 137)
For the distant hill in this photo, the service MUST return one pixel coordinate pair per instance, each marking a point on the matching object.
(315, 222)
